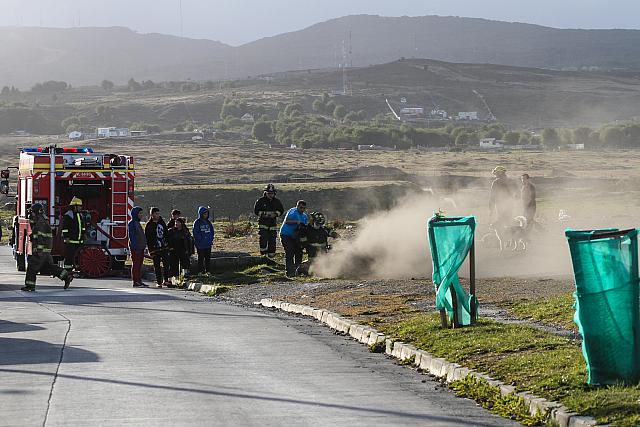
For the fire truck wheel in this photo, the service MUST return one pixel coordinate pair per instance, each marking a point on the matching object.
(94, 261)
(21, 258)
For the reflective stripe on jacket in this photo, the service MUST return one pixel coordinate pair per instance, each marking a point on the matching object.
(41, 235)
(73, 228)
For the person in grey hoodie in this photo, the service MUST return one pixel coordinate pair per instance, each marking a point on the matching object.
(137, 245)
(203, 238)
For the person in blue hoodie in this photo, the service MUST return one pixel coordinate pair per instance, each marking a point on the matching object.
(137, 245)
(203, 238)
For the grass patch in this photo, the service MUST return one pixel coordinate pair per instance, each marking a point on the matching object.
(531, 360)
(218, 290)
(237, 229)
(256, 274)
(489, 397)
(409, 361)
(555, 311)
(378, 347)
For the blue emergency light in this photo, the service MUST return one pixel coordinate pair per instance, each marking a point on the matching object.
(85, 150)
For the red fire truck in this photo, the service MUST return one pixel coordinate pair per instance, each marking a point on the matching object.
(52, 176)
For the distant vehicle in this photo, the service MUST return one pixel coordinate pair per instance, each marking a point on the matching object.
(75, 135)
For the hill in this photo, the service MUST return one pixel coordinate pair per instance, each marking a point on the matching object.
(517, 96)
(83, 56)
(86, 56)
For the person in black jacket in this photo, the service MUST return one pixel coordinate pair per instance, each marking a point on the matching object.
(175, 214)
(181, 243)
(268, 208)
(156, 233)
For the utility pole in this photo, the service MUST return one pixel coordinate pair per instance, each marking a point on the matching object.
(181, 21)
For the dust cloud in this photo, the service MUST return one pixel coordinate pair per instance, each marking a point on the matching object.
(393, 244)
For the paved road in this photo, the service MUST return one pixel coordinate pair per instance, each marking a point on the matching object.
(103, 353)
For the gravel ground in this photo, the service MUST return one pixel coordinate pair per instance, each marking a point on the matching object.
(489, 291)
(381, 301)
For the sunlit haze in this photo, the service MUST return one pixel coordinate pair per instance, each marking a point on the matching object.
(237, 22)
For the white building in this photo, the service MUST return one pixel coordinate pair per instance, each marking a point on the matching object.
(113, 132)
(491, 144)
(412, 111)
(574, 146)
(75, 135)
(247, 118)
(439, 114)
(467, 115)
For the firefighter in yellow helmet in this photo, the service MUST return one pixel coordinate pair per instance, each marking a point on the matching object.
(73, 230)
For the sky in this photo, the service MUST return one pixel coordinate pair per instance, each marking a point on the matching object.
(240, 21)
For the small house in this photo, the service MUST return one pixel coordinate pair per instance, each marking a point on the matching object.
(467, 115)
(491, 144)
(113, 132)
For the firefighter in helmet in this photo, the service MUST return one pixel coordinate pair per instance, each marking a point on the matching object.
(268, 208)
(41, 238)
(73, 230)
(314, 237)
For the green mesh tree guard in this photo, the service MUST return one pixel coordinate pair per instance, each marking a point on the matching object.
(605, 265)
(450, 240)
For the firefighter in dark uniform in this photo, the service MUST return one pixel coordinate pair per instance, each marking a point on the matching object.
(314, 238)
(41, 238)
(73, 230)
(268, 208)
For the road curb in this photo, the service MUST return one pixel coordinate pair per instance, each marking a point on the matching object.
(429, 363)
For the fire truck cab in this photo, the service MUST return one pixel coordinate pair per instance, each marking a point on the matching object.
(52, 176)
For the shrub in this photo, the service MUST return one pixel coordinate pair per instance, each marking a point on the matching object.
(237, 229)
(262, 131)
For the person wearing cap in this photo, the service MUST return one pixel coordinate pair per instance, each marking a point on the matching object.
(290, 236)
(268, 208)
(502, 197)
(41, 238)
(73, 231)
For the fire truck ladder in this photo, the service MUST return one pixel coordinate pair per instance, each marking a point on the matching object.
(119, 204)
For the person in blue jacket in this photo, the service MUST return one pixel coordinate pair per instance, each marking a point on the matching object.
(203, 238)
(290, 236)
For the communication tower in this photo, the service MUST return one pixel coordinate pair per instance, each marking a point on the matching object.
(347, 63)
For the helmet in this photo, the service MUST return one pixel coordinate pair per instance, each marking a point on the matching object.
(37, 208)
(498, 170)
(270, 188)
(75, 201)
(318, 218)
